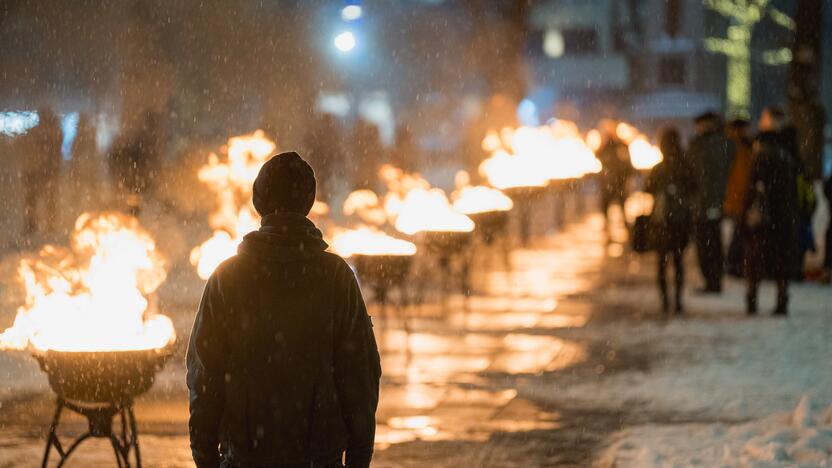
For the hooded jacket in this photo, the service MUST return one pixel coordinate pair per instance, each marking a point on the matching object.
(283, 368)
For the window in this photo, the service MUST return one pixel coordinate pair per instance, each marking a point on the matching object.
(672, 70)
(553, 43)
(579, 41)
(672, 17)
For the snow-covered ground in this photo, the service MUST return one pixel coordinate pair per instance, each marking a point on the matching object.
(722, 389)
(802, 437)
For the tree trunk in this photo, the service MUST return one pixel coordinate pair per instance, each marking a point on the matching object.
(804, 85)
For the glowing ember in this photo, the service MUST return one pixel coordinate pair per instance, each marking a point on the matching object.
(231, 179)
(92, 296)
(414, 206)
(369, 241)
(478, 199)
(531, 156)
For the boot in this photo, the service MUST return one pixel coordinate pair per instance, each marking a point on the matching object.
(782, 306)
(680, 308)
(665, 304)
(751, 304)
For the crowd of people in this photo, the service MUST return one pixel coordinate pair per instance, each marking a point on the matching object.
(758, 183)
(131, 164)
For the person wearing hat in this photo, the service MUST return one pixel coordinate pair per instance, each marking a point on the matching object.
(283, 368)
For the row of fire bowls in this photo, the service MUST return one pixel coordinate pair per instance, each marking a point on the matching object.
(383, 272)
(120, 376)
(102, 376)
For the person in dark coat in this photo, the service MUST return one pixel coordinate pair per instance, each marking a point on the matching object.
(41, 171)
(367, 155)
(283, 368)
(671, 184)
(771, 213)
(827, 248)
(324, 146)
(134, 161)
(711, 155)
(616, 168)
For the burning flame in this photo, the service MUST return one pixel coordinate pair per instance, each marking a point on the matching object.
(92, 296)
(414, 206)
(366, 205)
(644, 155)
(369, 241)
(478, 199)
(531, 156)
(231, 180)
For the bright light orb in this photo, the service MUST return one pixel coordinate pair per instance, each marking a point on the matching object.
(351, 12)
(345, 41)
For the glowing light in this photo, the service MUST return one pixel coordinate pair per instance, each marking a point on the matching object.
(94, 295)
(345, 41)
(231, 179)
(414, 206)
(366, 205)
(351, 12)
(553, 44)
(531, 156)
(480, 199)
(17, 123)
(644, 155)
(369, 241)
(744, 16)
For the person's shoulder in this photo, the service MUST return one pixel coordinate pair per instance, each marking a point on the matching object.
(228, 266)
(336, 262)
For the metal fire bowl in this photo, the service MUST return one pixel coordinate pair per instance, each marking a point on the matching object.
(102, 376)
(524, 194)
(383, 270)
(490, 224)
(446, 243)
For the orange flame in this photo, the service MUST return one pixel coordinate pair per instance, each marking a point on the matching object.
(231, 179)
(470, 199)
(531, 156)
(367, 240)
(414, 206)
(94, 295)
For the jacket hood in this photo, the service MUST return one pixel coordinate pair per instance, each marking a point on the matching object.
(284, 237)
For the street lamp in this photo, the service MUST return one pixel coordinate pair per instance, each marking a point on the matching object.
(344, 41)
(351, 12)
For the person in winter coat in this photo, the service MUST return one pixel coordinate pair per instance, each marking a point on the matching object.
(134, 161)
(325, 149)
(771, 214)
(711, 155)
(283, 368)
(827, 247)
(737, 189)
(672, 185)
(41, 171)
(85, 167)
(616, 168)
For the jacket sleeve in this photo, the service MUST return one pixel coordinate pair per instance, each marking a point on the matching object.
(206, 371)
(357, 373)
